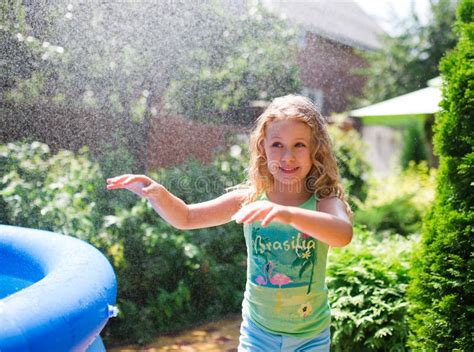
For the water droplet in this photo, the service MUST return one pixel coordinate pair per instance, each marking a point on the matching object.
(235, 151)
(112, 311)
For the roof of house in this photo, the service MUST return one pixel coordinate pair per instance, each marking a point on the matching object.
(339, 20)
(420, 102)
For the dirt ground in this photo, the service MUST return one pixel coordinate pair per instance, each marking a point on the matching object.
(222, 335)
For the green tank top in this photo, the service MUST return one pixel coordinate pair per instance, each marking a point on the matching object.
(286, 293)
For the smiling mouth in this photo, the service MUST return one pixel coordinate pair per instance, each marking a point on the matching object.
(289, 170)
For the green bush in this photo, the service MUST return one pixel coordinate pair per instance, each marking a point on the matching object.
(367, 282)
(114, 159)
(152, 261)
(443, 291)
(414, 144)
(169, 278)
(353, 167)
(51, 192)
(397, 216)
(397, 204)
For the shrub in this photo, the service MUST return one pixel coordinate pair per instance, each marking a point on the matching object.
(414, 145)
(397, 203)
(167, 278)
(50, 192)
(397, 216)
(171, 278)
(152, 261)
(367, 282)
(442, 291)
(353, 167)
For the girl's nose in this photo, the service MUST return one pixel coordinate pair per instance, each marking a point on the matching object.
(287, 155)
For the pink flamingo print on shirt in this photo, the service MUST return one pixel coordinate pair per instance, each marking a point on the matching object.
(261, 280)
(278, 279)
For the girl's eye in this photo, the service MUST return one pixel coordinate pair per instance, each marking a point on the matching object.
(276, 144)
(300, 145)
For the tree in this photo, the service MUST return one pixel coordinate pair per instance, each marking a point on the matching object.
(112, 58)
(255, 61)
(118, 59)
(409, 59)
(442, 292)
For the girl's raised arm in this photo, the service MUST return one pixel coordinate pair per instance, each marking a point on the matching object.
(174, 210)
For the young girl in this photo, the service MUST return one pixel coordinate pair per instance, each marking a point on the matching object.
(293, 208)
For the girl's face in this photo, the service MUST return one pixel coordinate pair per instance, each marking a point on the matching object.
(288, 150)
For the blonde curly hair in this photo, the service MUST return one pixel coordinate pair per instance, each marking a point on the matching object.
(323, 179)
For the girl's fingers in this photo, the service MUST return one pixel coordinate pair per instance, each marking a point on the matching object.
(241, 215)
(255, 216)
(125, 180)
(251, 214)
(117, 179)
(117, 182)
(270, 216)
(128, 181)
(244, 212)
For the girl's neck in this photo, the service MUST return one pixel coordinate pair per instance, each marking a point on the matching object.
(290, 195)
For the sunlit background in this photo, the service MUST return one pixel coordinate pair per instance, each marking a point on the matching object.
(171, 89)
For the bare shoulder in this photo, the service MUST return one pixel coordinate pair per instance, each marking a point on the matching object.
(334, 206)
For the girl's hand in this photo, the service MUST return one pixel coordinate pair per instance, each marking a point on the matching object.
(141, 185)
(263, 211)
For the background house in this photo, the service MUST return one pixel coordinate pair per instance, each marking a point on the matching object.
(332, 33)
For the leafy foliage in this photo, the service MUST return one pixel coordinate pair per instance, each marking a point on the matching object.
(414, 145)
(256, 60)
(397, 204)
(59, 58)
(442, 290)
(171, 277)
(167, 278)
(51, 192)
(367, 282)
(353, 166)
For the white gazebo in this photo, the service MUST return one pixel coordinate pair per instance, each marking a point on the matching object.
(383, 123)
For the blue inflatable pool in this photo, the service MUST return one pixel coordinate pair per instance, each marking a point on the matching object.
(56, 292)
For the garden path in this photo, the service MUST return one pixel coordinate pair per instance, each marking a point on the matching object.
(217, 336)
